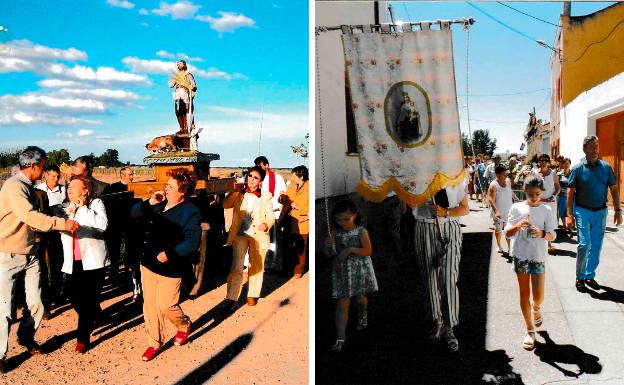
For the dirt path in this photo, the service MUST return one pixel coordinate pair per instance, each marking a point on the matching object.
(266, 344)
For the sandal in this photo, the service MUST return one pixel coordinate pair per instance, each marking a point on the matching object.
(537, 317)
(362, 322)
(528, 342)
(338, 346)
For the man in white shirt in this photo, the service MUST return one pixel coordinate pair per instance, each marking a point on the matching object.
(57, 193)
(52, 247)
(274, 184)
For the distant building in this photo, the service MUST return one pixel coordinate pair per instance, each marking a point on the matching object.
(587, 82)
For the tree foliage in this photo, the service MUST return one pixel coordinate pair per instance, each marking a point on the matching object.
(109, 158)
(482, 142)
(9, 157)
(58, 157)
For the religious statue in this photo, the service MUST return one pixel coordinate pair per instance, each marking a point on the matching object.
(185, 88)
(408, 120)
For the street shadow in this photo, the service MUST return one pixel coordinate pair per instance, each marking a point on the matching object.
(553, 354)
(609, 229)
(58, 341)
(394, 347)
(609, 294)
(209, 320)
(565, 253)
(211, 367)
(565, 237)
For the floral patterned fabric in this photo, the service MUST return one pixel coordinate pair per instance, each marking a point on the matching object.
(355, 275)
(405, 107)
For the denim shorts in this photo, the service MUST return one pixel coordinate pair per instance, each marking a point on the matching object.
(522, 266)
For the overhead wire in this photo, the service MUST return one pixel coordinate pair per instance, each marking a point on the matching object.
(502, 23)
(526, 14)
(510, 93)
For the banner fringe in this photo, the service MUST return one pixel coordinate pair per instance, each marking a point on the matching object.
(378, 194)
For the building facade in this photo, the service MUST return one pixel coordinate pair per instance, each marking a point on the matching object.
(587, 75)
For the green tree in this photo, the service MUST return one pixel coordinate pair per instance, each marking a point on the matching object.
(9, 157)
(109, 158)
(482, 142)
(59, 157)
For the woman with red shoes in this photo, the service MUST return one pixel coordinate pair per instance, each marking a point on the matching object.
(172, 237)
(84, 255)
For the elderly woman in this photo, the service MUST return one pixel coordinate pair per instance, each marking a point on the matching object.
(296, 201)
(84, 255)
(249, 233)
(439, 266)
(172, 237)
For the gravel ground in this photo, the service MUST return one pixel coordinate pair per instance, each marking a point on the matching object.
(266, 344)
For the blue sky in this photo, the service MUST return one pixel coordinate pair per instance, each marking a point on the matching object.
(501, 61)
(92, 75)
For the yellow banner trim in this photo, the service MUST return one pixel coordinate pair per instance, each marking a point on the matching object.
(439, 182)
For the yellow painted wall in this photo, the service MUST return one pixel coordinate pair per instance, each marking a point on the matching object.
(601, 61)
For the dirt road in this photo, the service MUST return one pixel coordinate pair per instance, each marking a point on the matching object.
(265, 344)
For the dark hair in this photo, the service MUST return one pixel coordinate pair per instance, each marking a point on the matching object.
(301, 172)
(88, 161)
(87, 183)
(183, 61)
(544, 156)
(261, 160)
(567, 160)
(344, 206)
(500, 169)
(185, 180)
(31, 155)
(259, 170)
(533, 181)
(53, 167)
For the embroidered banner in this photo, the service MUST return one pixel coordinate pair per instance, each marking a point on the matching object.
(405, 108)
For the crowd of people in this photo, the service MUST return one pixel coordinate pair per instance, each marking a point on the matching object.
(526, 197)
(65, 239)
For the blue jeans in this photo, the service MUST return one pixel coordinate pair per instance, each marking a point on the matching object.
(11, 265)
(591, 228)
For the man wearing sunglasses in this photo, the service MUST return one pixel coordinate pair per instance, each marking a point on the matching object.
(588, 184)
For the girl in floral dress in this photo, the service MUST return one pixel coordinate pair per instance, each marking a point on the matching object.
(352, 270)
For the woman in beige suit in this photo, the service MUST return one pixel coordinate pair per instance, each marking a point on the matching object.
(251, 221)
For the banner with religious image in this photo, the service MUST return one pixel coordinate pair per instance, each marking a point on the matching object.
(405, 108)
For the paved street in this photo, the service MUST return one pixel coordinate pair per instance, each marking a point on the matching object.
(581, 343)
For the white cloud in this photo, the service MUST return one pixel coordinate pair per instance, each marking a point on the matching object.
(169, 67)
(218, 122)
(143, 11)
(21, 118)
(24, 49)
(144, 25)
(150, 66)
(57, 83)
(165, 54)
(84, 132)
(39, 102)
(101, 94)
(227, 21)
(179, 10)
(120, 3)
(189, 58)
(64, 134)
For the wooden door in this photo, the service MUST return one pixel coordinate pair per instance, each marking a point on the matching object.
(610, 132)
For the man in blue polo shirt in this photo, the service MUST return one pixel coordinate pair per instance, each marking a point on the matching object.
(589, 182)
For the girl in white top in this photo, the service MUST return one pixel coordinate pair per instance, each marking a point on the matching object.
(551, 188)
(500, 197)
(530, 225)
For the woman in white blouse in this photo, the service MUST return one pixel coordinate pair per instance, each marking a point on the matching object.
(251, 221)
(439, 272)
(84, 255)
